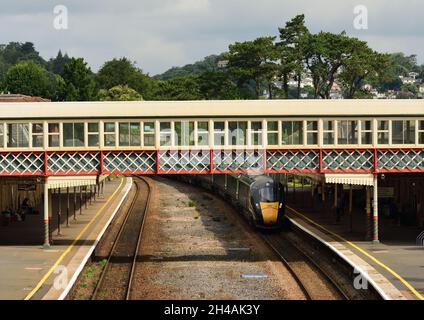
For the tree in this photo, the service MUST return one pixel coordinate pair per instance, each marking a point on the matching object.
(292, 44)
(79, 81)
(364, 64)
(326, 54)
(28, 78)
(124, 73)
(119, 93)
(56, 65)
(177, 89)
(254, 61)
(215, 85)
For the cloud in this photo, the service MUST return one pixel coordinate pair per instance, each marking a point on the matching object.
(159, 34)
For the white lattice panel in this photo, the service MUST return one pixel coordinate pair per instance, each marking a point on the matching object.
(129, 162)
(292, 160)
(401, 160)
(73, 162)
(184, 161)
(21, 163)
(235, 160)
(348, 160)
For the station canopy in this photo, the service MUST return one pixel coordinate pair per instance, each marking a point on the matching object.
(352, 179)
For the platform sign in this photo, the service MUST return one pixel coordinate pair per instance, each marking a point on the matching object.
(27, 187)
(386, 192)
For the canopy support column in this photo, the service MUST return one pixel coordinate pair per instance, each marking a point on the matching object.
(376, 239)
(46, 244)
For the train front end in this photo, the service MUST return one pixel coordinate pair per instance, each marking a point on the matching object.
(268, 203)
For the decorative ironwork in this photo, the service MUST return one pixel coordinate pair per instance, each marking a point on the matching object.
(73, 163)
(21, 164)
(400, 160)
(141, 162)
(348, 160)
(184, 161)
(296, 161)
(238, 161)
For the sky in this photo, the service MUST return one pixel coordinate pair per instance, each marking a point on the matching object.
(160, 34)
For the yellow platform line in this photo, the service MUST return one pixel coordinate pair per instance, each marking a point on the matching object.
(66, 252)
(381, 264)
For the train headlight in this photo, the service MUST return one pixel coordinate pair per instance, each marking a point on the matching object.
(281, 205)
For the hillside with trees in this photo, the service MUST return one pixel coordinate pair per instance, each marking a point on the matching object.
(292, 64)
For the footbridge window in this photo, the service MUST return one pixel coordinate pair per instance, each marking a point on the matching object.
(312, 132)
(403, 132)
(18, 135)
(93, 134)
(37, 135)
(366, 132)
(219, 133)
(292, 132)
(328, 132)
(272, 131)
(165, 134)
(1, 135)
(347, 132)
(73, 134)
(184, 133)
(237, 131)
(54, 135)
(256, 133)
(421, 132)
(129, 134)
(149, 134)
(383, 132)
(109, 134)
(202, 133)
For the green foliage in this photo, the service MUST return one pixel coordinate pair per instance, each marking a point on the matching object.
(80, 85)
(208, 64)
(56, 65)
(119, 93)
(254, 61)
(28, 78)
(122, 72)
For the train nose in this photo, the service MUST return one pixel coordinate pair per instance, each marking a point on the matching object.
(269, 212)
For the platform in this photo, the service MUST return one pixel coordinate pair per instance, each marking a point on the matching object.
(31, 272)
(397, 262)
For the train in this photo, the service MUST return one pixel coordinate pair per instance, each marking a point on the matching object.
(260, 198)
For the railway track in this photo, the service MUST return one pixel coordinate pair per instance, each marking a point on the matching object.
(117, 276)
(314, 282)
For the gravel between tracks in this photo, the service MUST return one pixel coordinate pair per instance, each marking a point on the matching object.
(194, 247)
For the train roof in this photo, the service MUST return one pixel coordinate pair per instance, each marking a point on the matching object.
(210, 109)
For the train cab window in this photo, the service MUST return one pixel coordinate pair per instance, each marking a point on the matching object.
(421, 132)
(184, 133)
(328, 132)
(256, 133)
(53, 135)
(347, 132)
(366, 132)
(383, 132)
(165, 134)
(17, 135)
(272, 131)
(149, 134)
(219, 133)
(109, 134)
(292, 133)
(37, 135)
(312, 132)
(237, 133)
(73, 134)
(202, 133)
(93, 134)
(403, 132)
(129, 134)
